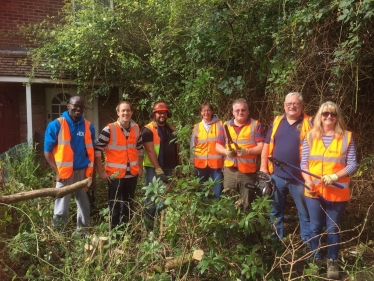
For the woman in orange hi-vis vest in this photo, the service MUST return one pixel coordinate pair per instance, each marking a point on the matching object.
(204, 156)
(328, 152)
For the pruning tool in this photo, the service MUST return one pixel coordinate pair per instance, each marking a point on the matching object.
(230, 141)
(282, 164)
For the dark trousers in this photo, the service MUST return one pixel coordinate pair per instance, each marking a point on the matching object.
(121, 193)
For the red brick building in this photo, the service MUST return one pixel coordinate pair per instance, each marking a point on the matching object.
(28, 105)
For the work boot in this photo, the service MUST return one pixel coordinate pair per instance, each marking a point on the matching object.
(333, 269)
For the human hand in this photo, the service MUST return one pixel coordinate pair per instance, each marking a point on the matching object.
(159, 172)
(104, 176)
(230, 153)
(311, 188)
(242, 151)
(329, 179)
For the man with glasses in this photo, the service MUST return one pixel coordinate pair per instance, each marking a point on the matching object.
(240, 165)
(68, 149)
(161, 150)
(283, 142)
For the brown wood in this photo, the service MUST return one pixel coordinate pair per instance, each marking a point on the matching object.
(45, 192)
(179, 261)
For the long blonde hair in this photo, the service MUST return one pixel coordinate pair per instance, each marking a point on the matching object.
(340, 127)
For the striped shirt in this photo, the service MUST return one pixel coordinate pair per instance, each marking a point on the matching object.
(351, 155)
(259, 134)
(103, 140)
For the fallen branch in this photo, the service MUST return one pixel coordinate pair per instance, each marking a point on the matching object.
(177, 262)
(45, 192)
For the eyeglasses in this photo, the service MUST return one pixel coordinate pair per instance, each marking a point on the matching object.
(326, 114)
(295, 104)
(240, 110)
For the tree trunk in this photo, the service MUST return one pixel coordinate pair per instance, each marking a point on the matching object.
(45, 192)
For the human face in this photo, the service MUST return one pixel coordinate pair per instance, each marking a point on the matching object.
(124, 113)
(206, 113)
(76, 108)
(293, 107)
(161, 117)
(240, 112)
(328, 117)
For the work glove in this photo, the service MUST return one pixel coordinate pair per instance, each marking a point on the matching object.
(242, 152)
(311, 188)
(329, 179)
(230, 153)
(161, 175)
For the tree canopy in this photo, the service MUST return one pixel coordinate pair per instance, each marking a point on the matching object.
(187, 52)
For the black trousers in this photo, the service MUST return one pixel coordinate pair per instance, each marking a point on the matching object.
(121, 193)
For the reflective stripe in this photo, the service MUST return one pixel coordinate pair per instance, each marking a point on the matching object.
(208, 156)
(64, 164)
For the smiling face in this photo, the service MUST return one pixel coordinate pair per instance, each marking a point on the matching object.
(328, 117)
(124, 113)
(240, 112)
(76, 108)
(161, 117)
(206, 113)
(293, 107)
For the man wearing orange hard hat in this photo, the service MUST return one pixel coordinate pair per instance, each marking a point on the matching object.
(161, 150)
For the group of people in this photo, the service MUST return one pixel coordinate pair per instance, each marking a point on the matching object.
(226, 152)
(320, 146)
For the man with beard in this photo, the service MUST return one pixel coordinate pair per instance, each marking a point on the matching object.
(161, 150)
(68, 149)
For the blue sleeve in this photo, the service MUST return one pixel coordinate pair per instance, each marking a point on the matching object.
(50, 136)
(92, 129)
(268, 135)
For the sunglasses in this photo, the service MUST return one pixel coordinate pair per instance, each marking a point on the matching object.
(326, 114)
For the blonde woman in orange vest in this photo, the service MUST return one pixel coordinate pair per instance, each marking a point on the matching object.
(240, 167)
(205, 158)
(122, 143)
(68, 149)
(328, 152)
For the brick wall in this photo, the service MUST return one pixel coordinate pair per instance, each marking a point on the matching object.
(22, 12)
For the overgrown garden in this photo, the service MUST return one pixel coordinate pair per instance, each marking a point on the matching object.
(185, 53)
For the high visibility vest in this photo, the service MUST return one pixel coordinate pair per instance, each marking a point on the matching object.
(156, 142)
(205, 146)
(64, 155)
(245, 139)
(305, 127)
(121, 152)
(327, 161)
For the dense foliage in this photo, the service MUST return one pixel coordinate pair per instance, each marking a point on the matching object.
(186, 52)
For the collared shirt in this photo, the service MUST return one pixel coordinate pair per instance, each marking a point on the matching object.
(287, 146)
(259, 134)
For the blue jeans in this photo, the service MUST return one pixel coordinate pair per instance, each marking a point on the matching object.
(283, 186)
(150, 207)
(216, 175)
(327, 215)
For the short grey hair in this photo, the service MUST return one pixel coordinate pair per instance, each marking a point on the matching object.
(240, 100)
(294, 94)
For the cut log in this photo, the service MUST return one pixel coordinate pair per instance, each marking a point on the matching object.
(45, 192)
(177, 262)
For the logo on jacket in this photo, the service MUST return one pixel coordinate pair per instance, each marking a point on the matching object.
(298, 127)
(81, 134)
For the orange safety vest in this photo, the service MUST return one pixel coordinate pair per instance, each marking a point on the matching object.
(156, 142)
(306, 126)
(205, 146)
(245, 139)
(121, 152)
(64, 155)
(327, 161)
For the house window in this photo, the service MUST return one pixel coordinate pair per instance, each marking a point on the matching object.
(59, 104)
